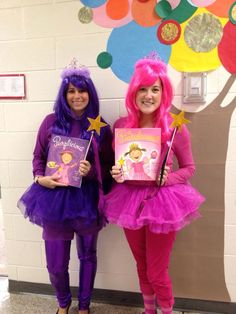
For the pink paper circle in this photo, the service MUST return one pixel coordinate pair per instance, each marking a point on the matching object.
(174, 3)
(201, 3)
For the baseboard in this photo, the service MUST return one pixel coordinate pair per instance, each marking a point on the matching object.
(126, 298)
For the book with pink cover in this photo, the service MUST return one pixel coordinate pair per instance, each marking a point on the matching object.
(138, 151)
(64, 158)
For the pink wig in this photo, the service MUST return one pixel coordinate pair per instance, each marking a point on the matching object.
(146, 73)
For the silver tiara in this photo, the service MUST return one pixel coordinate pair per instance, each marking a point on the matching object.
(153, 55)
(73, 68)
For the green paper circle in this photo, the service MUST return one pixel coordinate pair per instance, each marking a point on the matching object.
(232, 16)
(104, 60)
(182, 12)
(85, 15)
(163, 8)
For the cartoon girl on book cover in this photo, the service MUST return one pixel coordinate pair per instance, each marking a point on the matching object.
(136, 164)
(64, 166)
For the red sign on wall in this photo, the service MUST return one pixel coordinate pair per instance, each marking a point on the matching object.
(12, 86)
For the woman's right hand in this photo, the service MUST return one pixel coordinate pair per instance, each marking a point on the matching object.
(50, 182)
(117, 173)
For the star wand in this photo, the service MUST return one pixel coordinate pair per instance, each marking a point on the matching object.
(178, 121)
(95, 125)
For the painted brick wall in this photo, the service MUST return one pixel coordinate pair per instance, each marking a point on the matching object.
(38, 38)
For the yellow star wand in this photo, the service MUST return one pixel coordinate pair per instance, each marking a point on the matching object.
(178, 121)
(95, 125)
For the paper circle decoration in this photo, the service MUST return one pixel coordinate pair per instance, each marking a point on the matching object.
(226, 48)
(169, 32)
(131, 42)
(182, 12)
(104, 60)
(202, 3)
(232, 13)
(163, 8)
(174, 3)
(220, 7)
(203, 32)
(93, 3)
(101, 18)
(85, 15)
(144, 14)
(117, 10)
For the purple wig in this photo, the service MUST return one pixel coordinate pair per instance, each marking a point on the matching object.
(146, 73)
(62, 110)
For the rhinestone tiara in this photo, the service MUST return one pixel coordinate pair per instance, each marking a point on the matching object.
(153, 55)
(74, 68)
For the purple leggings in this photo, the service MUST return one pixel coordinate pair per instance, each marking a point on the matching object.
(58, 256)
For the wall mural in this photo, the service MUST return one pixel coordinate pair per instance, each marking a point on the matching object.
(191, 36)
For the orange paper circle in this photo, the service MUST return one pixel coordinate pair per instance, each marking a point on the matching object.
(144, 13)
(220, 7)
(117, 10)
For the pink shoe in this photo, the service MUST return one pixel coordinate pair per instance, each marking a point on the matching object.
(167, 312)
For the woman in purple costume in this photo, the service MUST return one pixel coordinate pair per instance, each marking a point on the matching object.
(152, 214)
(63, 210)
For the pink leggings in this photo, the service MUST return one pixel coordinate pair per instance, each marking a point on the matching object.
(152, 254)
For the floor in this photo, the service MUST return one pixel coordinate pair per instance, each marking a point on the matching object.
(40, 304)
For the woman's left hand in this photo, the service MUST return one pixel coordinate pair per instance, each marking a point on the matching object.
(84, 167)
(165, 176)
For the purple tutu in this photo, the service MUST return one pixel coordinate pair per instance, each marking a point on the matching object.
(62, 206)
(167, 209)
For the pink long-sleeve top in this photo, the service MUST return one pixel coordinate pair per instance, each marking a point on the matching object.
(181, 150)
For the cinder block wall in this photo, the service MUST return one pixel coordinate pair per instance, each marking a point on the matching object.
(38, 38)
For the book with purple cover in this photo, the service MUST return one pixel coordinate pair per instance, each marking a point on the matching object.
(138, 151)
(64, 157)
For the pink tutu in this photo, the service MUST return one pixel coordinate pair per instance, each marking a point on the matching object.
(167, 209)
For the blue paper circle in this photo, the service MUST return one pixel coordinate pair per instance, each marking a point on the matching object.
(93, 3)
(131, 42)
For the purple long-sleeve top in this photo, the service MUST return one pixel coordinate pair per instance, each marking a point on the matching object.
(182, 150)
(42, 145)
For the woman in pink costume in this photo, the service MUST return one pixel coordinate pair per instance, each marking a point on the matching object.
(152, 214)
